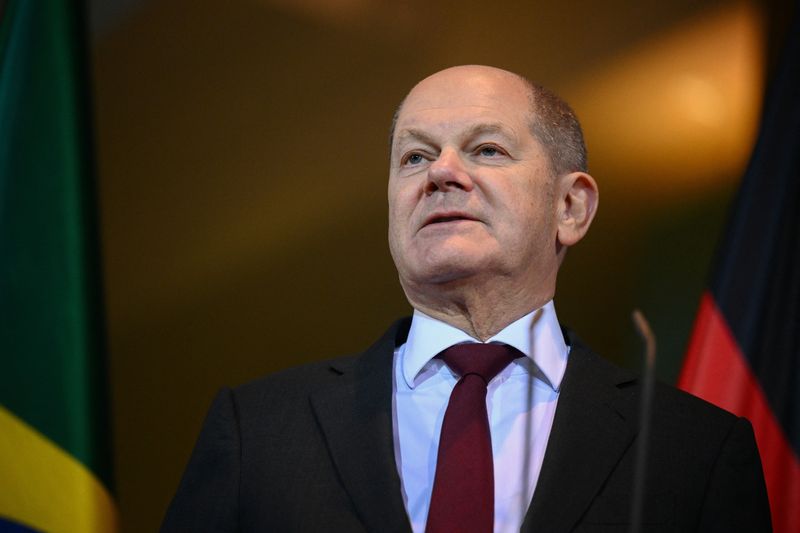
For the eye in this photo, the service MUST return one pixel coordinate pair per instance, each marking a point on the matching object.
(490, 150)
(413, 158)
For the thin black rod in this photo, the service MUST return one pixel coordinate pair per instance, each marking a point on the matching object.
(645, 407)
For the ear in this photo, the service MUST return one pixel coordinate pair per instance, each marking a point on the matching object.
(577, 204)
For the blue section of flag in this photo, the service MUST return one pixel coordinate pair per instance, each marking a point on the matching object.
(7, 526)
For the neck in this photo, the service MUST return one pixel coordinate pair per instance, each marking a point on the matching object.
(481, 311)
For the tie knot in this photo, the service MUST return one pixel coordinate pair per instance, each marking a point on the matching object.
(485, 360)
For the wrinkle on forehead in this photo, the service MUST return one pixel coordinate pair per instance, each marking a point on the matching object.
(483, 90)
(470, 132)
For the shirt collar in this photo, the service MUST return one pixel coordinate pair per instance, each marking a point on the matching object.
(537, 335)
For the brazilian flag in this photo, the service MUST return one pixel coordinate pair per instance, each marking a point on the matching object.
(54, 462)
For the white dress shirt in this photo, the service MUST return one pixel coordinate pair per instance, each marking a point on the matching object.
(521, 402)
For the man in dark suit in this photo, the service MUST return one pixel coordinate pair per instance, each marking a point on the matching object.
(487, 190)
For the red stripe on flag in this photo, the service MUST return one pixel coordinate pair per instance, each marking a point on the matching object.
(715, 369)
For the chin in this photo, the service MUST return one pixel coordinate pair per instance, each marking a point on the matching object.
(447, 269)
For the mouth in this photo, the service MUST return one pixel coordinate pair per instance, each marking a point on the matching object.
(443, 218)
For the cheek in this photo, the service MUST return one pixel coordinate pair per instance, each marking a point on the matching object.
(400, 212)
(393, 200)
(533, 220)
(401, 205)
(397, 219)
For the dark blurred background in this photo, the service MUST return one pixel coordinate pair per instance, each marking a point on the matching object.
(242, 157)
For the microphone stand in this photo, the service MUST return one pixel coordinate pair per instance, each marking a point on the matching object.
(645, 407)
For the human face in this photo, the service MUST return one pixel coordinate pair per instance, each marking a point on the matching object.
(470, 191)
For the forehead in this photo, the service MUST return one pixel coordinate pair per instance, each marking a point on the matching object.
(467, 95)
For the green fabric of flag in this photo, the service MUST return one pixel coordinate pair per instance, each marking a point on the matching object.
(52, 372)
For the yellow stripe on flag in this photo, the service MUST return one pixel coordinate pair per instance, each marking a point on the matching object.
(50, 490)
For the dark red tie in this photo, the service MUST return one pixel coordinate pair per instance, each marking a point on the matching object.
(463, 489)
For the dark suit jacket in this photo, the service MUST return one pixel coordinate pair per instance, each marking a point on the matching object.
(311, 449)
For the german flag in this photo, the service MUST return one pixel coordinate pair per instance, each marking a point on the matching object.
(54, 462)
(744, 353)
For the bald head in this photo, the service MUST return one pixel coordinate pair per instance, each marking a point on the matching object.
(551, 119)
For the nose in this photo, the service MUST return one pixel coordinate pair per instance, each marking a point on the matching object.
(448, 173)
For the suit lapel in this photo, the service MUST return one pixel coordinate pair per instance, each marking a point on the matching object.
(595, 423)
(356, 417)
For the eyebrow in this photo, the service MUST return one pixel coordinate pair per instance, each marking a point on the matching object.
(414, 134)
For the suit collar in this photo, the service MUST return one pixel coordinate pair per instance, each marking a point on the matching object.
(537, 335)
(595, 423)
(356, 417)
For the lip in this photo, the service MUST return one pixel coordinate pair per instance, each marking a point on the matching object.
(447, 216)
